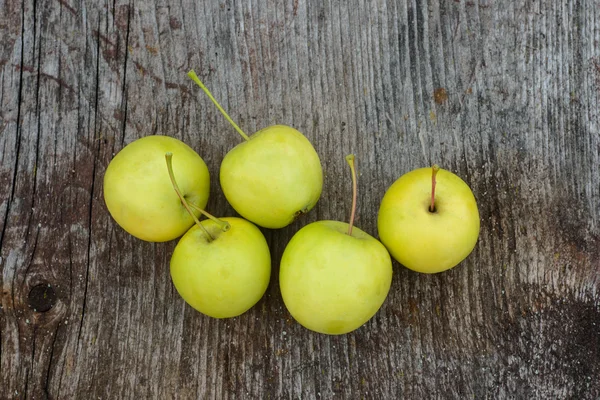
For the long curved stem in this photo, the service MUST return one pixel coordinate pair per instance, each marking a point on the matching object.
(198, 82)
(169, 158)
(225, 226)
(434, 170)
(350, 160)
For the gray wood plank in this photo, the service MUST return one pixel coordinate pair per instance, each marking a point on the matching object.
(505, 94)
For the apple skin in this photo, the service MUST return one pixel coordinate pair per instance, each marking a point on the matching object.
(331, 282)
(421, 240)
(139, 194)
(226, 277)
(272, 178)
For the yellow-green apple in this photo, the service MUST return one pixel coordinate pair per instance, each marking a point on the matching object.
(221, 266)
(139, 194)
(271, 178)
(428, 220)
(222, 275)
(333, 276)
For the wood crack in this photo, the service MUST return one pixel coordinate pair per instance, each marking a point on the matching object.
(49, 368)
(91, 199)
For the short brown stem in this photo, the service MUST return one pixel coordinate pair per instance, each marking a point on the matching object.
(350, 160)
(434, 170)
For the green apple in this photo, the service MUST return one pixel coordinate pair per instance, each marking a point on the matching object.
(222, 275)
(139, 194)
(271, 178)
(332, 282)
(333, 277)
(221, 267)
(428, 220)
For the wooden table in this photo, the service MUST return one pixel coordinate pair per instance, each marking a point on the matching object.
(503, 93)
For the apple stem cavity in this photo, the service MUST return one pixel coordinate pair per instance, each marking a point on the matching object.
(169, 158)
(434, 170)
(350, 160)
(198, 82)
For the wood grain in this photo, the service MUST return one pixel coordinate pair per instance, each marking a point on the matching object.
(503, 93)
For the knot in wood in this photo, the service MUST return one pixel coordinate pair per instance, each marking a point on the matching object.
(42, 297)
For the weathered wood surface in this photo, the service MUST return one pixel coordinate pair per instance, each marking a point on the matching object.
(503, 93)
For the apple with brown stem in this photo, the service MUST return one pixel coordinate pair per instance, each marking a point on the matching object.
(333, 276)
(428, 220)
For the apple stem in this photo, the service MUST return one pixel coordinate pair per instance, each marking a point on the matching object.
(223, 224)
(198, 82)
(169, 158)
(434, 170)
(350, 160)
